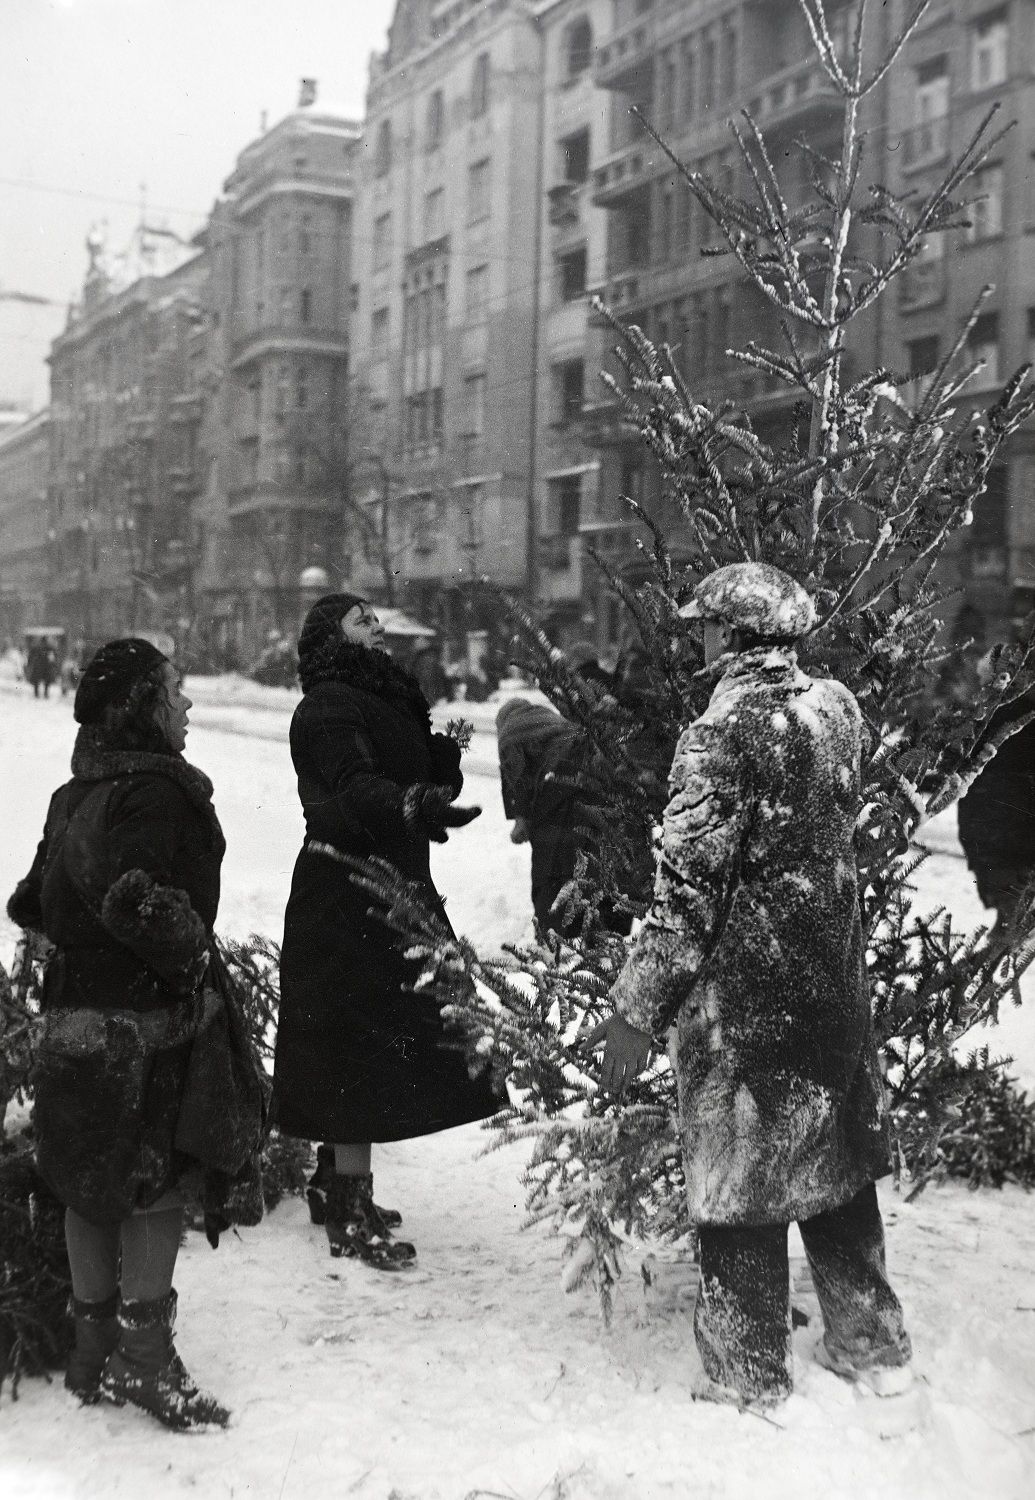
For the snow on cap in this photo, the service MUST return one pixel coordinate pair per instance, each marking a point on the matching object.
(755, 597)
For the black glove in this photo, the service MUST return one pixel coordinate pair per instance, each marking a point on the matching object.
(428, 810)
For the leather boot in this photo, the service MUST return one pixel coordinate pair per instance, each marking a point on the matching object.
(316, 1194)
(96, 1335)
(146, 1371)
(355, 1228)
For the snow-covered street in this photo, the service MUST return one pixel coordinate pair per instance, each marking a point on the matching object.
(473, 1375)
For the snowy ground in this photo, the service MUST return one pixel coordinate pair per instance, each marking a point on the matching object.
(474, 1375)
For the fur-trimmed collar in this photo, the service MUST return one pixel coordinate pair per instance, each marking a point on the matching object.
(338, 660)
(94, 760)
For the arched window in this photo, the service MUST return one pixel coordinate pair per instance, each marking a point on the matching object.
(383, 153)
(579, 46)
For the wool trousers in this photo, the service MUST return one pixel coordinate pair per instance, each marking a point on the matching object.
(742, 1320)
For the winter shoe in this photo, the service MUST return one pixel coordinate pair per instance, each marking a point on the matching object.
(356, 1229)
(882, 1380)
(316, 1194)
(96, 1335)
(146, 1371)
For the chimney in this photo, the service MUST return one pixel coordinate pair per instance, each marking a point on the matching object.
(306, 92)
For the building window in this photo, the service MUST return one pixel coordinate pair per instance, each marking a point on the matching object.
(687, 68)
(571, 274)
(922, 356)
(983, 344)
(383, 150)
(478, 191)
(474, 405)
(477, 293)
(568, 504)
(425, 523)
(729, 60)
(280, 401)
(989, 40)
(305, 308)
(986, 207)
(434, 213)
(570, 385)
(436, 120)
(666, 220)
(575, 157)
(929, 138)
(301, 385)
(378, 330)
(579, 47)
(707, 79)
(382, 249)
(305, 235)
(480, 86)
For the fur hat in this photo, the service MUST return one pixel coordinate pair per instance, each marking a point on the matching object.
(756, 598)
(111, 675)
(323, 621)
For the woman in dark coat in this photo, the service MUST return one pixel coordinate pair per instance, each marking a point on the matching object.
(125, 884)
(360, 1058)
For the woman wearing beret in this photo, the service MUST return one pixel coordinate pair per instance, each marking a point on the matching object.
(125, 884)
(361, 1058)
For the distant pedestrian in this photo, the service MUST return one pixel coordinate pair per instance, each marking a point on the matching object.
(753, 949)
(41, 666)
(360, 1057)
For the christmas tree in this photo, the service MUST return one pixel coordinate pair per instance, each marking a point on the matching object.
(857, 496)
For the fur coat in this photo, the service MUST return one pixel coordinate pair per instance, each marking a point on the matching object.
(359, 1057)
(125, 884)
(753, 950)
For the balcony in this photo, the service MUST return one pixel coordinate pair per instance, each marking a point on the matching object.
(187, 408)
(621, 293)
(627, 54)
(926, 143)
(627, 171)
(185, 479)
(923, 284)
(295, 339)
(793, 95)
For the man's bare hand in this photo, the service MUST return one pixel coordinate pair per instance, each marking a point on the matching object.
(627, 1051)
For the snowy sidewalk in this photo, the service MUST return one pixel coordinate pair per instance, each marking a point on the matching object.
(474, 1375)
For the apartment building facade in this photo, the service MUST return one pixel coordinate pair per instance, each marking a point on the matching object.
(120, 490)
(275, 369)
(24, 464)
(447, 312)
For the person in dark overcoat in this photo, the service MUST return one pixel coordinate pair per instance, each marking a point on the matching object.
(41, 666)
(359, 1057)
(125, 885)
(753, 951)
(996, 817)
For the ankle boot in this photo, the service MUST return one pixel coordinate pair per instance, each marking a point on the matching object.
(146, 1371)
(355, 1228)
(96, 1335)
(316, 1194)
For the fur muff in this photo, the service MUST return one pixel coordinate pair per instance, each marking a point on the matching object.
(158, 923)
(23, 908)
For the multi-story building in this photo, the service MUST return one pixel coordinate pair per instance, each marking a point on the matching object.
(119, 533)
(967, 56)
(688, 68)
(448, 278)
(24, 459)
(276, 370)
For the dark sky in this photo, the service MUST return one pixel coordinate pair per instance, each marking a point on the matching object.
(105, 101)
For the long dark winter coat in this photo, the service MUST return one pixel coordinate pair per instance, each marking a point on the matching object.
(359, 1058)
(997, 818)
(753, 948)
(125, 884)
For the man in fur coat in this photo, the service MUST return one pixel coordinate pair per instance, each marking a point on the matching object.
(753, 951)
